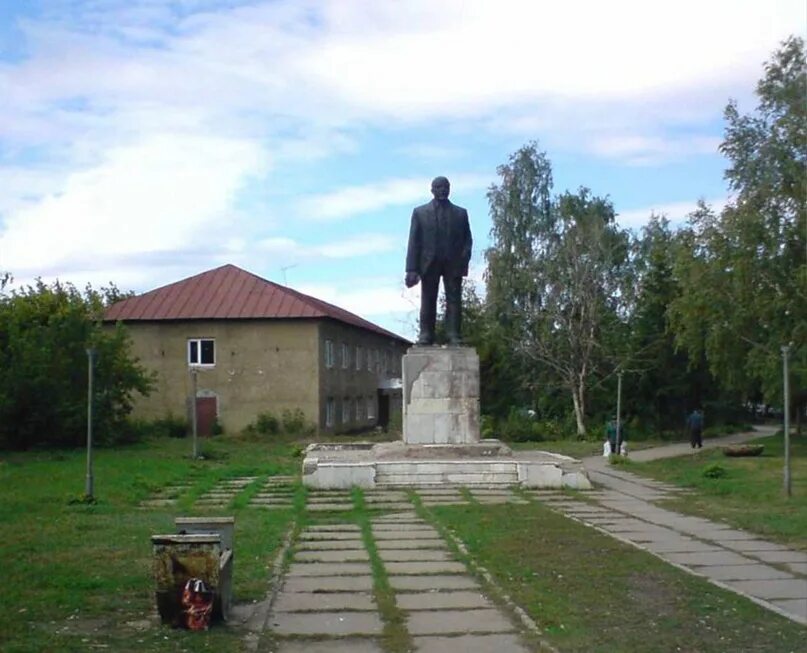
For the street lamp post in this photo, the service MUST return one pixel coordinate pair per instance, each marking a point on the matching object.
(786, 393)
(194, 425)
(88, 485)
(618, 435)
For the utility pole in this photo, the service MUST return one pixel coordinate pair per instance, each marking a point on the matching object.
(194, 427)
(618, 435)
(88, 484)
(786, 393)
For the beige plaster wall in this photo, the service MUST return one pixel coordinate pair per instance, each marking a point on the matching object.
(261, 365)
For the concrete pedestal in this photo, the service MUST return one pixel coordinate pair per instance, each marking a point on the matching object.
(441, 395)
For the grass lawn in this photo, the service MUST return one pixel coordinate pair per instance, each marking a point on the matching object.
(747, 493)
(581, 448)
(75, 573)
(590, 593)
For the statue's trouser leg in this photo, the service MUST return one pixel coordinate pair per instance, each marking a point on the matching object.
(453, 288)
(429, 284)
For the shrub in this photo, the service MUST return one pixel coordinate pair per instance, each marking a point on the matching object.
(715, 470)
(294, 422)
(267, 424)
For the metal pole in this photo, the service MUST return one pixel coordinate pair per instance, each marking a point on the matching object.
(785, 356)
(618, 436)
(194, 429)
(88, 485)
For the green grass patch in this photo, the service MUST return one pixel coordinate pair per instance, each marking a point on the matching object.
(582, 448)
(746, 492)
(78, 577)
(590, 593)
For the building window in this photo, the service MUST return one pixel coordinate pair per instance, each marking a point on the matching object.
(345, 356)
(330, 411)
(386, 362)
(345, 410)
(358, 358)
(201, 351)
(357, 408)
(377, 358)
(369, 360)
(329, 353)
(370, 408)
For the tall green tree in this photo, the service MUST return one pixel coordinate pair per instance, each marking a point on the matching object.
(558, 278)
(744, 271)
(45, 331)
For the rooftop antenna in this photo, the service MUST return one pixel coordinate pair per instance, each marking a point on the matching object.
(283, 272)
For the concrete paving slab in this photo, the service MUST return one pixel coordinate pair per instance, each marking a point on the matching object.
(397, 515)
(680, 545)
(327, 535)
(432, 583)
(441, 622)
(329, 545)
(396, 505)
(748, 546)
(334, 624)
(411, 555)
(721, 535)
(500, 643)
(338, 555)
(359, 583)
(422, 526)
(384, 545)
(322, 528)
(323, 601)
(442, 600)
(407, 534)
(426, 567)
(327, 568)
(796, 607)
(797, 567)
(494, 501)
(330, 646)
(437, 490)
(795, 588)
(329, 507)
(708, 558)
(780, 556)
(448, 502)
(743, 572)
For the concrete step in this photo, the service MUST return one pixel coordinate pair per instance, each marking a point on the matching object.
(442, 473)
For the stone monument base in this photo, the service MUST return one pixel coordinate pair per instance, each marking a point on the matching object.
(487, 463)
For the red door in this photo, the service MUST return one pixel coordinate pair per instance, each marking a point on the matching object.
(205, 415)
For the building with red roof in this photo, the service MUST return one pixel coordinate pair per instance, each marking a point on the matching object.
(255, 346)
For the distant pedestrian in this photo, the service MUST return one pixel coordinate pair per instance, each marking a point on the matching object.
(614, 436)
(695, 426)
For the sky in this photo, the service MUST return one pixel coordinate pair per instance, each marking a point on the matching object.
(145, 141)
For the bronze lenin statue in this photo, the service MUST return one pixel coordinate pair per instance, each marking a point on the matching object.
(439, 246)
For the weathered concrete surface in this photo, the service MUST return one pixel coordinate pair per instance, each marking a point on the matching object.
(324, 601)
(432, 582)
(335, 624)
(442, 600)
(330, 646)
(439, 622)
(355, 583)
(498, 643)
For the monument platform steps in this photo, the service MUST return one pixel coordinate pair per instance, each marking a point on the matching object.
(471, 473)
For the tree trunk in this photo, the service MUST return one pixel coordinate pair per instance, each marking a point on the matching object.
(579, 411)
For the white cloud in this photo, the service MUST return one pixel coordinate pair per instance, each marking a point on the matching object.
(288, 249)
(354, 200)
(158, 195)
(640, 150)
(675, 212)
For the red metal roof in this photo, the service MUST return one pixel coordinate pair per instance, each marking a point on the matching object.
(227, 293)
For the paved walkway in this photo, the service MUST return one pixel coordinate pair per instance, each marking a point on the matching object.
(327, 603)
(327, 598)
(768, 573)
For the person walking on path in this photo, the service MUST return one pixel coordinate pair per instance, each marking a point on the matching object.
(695, 426)
(615, 436)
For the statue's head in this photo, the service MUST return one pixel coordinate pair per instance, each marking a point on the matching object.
(440, 188)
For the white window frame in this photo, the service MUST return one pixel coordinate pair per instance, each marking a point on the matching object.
(369, 360)
(330, 411)
(370, 408)
(345, 410)
(357, 409)
(358, 357)
(329, 354)
(345, 356)
(198, 342)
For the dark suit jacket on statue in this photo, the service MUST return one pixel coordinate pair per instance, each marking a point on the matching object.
(436, 252)
(423, 248)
